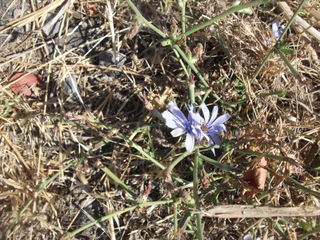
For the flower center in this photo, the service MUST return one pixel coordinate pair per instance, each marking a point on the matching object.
(203, 127)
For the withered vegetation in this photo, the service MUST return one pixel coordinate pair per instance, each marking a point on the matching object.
(81, 147)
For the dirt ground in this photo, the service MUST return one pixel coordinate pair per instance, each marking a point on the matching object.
(85, 152)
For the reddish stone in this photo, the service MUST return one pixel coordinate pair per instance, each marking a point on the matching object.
(25, 84)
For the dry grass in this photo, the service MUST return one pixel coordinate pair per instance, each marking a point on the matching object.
(54, 146)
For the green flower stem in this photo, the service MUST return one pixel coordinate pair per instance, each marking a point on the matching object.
(291, 67)
(143, 152)
(220, 165)
(116, 213)
(206, 95)
(190, 63)
(183, 15)
(195, 193)
(143, 20)
(303, 188)
(175, 219)
(191, 91)
(119, 181)
(177, 160)
(291, 21)
(181, 62)
(267, 57)
(224, 14)
(136, 146)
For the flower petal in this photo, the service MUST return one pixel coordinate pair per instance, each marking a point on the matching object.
(215, 139)
(214, 115)
(177, 112)
(171, 120)
(195, 117)
(177, 132)
(213, 151)
(205, 112)
(189, 142)
(222, 119)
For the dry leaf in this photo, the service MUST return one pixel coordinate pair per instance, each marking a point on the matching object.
(256, 175)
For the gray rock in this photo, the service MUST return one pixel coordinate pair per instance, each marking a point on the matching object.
(109, 58)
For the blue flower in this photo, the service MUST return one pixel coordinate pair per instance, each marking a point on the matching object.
(211, 126)
(195, 126)
(277, 29)
(176, 120)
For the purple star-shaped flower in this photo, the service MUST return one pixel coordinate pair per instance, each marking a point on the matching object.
(277, 29)
(211, 126)
(176, 120)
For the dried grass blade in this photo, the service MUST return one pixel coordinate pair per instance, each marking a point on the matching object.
(31, 16)
(116, 213)
(47, 27)
(18, 154)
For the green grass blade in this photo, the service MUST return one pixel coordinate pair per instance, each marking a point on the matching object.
(305, 189)
(119, 181)
(219, 165)
(222, 15)
(290, 66)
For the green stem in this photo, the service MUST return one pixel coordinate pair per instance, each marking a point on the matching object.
(225, 13)
(177, 160)
(175, 219)
(191, 91)
(183, 15)
(145, 21)
(267, 57)
(190, 63)
(119, 181)
(195, 193)
(286, 60)
(182, 63)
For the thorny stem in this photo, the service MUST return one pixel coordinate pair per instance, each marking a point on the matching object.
(195, 194)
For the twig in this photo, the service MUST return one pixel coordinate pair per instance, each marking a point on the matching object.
(249, 211)
(298, 21)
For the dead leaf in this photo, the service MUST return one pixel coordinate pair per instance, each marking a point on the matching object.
(256, 176)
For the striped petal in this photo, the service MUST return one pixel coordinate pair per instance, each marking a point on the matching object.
(189, 142)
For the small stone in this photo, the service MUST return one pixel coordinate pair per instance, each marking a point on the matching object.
(26, 85)
(109, 58)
